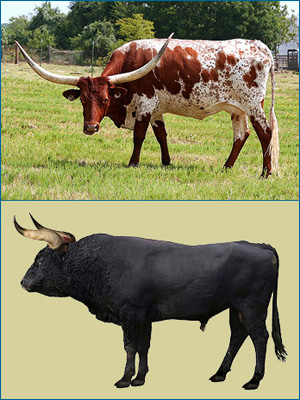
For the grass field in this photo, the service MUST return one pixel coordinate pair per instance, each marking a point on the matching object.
(45, 155)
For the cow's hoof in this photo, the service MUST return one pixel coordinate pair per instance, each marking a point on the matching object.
(165, 163)
(217, 378)
(137, 382)
(122, 384)
(265, 174)
(251, 385)
(131, 164)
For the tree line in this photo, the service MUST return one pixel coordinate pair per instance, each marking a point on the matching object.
(111, 23)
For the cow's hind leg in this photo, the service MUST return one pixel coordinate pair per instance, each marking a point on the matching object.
(144, 345)
(131, 343)
(238, 336)
(259, 336)
(161, 136)
(264, 132)
(240, 135)
(139, 134)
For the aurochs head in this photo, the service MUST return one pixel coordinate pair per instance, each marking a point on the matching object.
(47, 273)
(95, 93)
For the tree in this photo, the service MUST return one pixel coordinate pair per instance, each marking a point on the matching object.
(288, 29)
(4, 37)
(84, 13)
(45, 15)
(103, 35)
(134, 28)
(219, 20)
(41, 35)
(18, 29)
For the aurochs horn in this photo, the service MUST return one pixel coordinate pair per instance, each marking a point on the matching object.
(54, 238)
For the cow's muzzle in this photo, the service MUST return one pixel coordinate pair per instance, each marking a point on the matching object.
(89, 129)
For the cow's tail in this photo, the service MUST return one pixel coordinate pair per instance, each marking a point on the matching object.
(274, 144)
(276, 332)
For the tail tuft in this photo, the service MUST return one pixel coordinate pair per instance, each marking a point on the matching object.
(280, 350)
(274, 144)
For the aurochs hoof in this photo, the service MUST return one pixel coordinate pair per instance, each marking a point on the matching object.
(217, 378)
(137, 382)
(122, 384)
(251, 385)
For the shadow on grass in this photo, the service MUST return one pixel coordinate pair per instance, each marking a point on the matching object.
(116, 165)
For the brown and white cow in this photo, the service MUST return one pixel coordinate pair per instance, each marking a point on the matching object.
(194, 78)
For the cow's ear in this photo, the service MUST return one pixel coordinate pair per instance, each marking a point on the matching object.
(66, 240)
(62, 250)
(71, 94)
(117, 92)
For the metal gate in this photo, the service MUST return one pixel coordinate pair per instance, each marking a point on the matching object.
(292, 56)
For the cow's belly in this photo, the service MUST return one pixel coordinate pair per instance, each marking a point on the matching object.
(193, 308)
(199, 106)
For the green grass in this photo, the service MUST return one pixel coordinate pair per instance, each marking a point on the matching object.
(45, 155)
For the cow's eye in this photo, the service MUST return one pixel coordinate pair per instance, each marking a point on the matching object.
(105, 100)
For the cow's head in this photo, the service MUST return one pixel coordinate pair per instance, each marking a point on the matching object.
(47, 274)
(96, 93)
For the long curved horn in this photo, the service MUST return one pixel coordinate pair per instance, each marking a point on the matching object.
(52, 238)
(66, 236)
(49, 76)
(139, 73)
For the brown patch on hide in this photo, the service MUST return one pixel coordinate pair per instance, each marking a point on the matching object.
(180, 63)
(191, 52)
(250, 78)
(221, 60)
(259, 66)
(231, 60)
(214, 75)
(205, 75)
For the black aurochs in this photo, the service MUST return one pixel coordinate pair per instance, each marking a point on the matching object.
(133, 282)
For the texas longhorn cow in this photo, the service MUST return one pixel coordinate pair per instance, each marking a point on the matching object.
(133, 282)
(193, 78)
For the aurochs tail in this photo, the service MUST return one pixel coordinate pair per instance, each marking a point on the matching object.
(276, 332)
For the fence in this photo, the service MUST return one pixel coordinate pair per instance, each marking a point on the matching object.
(281, 62)
(48, 55)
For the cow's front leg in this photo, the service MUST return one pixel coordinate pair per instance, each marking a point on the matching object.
(131, 343)
(161, 136)
(139, 134)
(144, 345)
